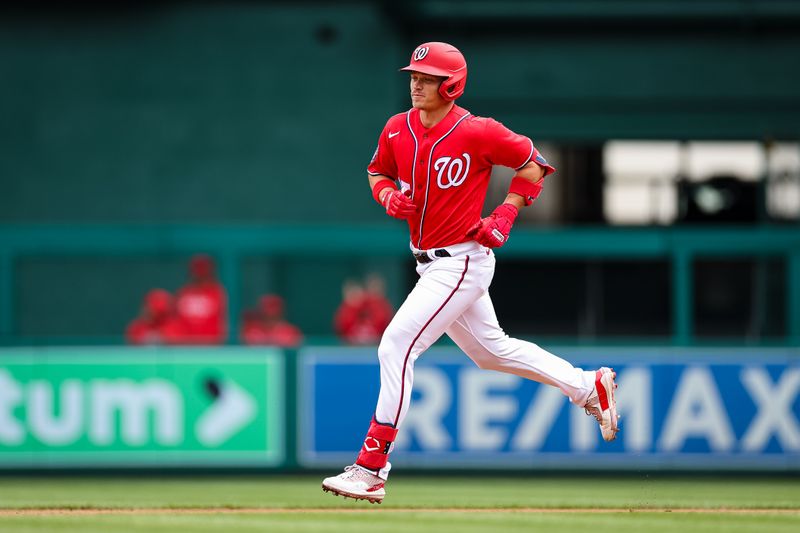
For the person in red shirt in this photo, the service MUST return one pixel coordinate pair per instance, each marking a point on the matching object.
(266, 325)
(201, 304)
(364, 312)
(432, 169)
(376, 303)
(157, 323)
(349, 322)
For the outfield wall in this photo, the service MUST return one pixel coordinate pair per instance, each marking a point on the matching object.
(110, 407)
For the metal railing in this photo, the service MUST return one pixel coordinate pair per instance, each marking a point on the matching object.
(231, 244)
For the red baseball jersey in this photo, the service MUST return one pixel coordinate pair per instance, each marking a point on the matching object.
(202, 308)
(447, 169)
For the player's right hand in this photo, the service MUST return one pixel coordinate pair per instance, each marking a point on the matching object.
(399, 205)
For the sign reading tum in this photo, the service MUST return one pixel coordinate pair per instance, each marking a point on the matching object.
(691, 412)
(57, 415)
(121, 406)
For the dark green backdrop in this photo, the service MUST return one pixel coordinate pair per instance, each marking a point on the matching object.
(217, 113)
(252, 111)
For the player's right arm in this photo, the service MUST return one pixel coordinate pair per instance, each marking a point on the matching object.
(386, 187)
(380, 173)
(385, 192)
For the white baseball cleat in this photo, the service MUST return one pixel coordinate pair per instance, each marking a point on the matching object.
(356, 482)
(602, 405)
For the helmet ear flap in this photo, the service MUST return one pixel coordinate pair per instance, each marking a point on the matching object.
(449, 90)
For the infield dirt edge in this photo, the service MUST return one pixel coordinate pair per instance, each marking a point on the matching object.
(257, 510)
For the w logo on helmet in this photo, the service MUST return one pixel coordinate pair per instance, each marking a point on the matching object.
(420, 53)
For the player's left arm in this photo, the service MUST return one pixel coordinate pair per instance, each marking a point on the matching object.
(526, 185)
(506, 148)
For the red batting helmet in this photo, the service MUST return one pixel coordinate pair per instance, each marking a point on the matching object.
(441, 59)
(271, 305)
(201, 266)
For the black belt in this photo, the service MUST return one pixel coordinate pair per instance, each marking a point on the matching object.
(423, 257)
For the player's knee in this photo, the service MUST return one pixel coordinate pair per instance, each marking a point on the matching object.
(494, 352)
(483, 358)
(394, 345)
(501, 346)
(386, 349)
(486, 362)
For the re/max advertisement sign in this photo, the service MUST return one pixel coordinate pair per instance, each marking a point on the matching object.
(680, 408)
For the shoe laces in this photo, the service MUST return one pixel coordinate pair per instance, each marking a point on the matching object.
(593, 411)
(355, 472)
(591, 408)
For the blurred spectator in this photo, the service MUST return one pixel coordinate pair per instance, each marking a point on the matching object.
(364, 312)
(201, 304)
(266, 325)
(346, 320)
(157, 323)
(376, 303)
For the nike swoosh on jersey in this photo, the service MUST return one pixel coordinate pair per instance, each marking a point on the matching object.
(393, 134)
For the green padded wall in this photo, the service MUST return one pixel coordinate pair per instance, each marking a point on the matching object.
(218, 112)
(193, 112)
(88, 296)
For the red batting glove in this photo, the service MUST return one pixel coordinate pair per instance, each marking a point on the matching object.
(493, 230)
(399, 205)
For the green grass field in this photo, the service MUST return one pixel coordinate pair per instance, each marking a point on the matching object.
(464, 504)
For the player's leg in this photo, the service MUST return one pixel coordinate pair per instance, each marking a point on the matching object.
(446, 287)
(478, 333)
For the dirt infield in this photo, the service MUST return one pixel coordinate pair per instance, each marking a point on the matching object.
(257, 510)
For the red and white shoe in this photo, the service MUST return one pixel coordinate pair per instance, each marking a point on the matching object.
(602, 405)
(356, 482)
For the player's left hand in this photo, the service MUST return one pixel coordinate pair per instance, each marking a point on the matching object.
(493, 230)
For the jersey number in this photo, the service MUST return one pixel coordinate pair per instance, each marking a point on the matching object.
(452, 171)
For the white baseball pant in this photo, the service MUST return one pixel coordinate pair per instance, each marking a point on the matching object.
(452, 297)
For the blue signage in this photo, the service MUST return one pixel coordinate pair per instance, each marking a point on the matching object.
(680, 408)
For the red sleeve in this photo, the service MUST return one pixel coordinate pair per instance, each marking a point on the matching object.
(512, 150)
(383, 161)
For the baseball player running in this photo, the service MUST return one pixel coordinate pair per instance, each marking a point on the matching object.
(432, 169)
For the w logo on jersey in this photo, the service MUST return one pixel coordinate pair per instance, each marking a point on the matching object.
(451, 171)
